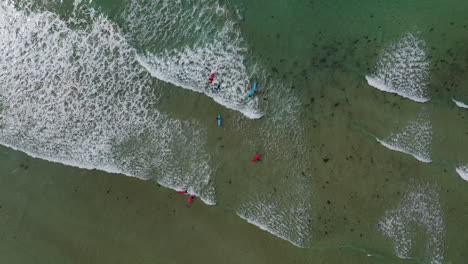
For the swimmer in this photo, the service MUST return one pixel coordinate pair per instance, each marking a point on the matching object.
(217, 88)
(220, 120)
(257, 158)
(212, 78)
(192, 197)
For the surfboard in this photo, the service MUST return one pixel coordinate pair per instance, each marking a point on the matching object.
(257, 157)
(220, 120)
(251, 92)
(212, 78)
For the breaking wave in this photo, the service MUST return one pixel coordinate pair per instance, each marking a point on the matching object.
(463, 172)
(460, 104)
(419, 208)
(73, 92)
(414, 139)
(403, 68)
(189, 44)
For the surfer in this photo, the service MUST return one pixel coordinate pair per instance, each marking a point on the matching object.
(212, 78)
(192, 197)
(251, 92)
(217, 88)
(257, 157)
(220, 120)
(184, 191)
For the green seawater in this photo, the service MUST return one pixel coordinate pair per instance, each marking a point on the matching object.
(325, 185)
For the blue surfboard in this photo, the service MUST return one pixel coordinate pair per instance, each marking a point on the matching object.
(251, 92)
(220, 120)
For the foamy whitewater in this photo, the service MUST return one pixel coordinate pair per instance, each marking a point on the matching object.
(403, 68)
(79, 97)
(291, 223)
(216, 46)
(460, 104)
(463, 172)
(74, 91)
(414, 139)
(419, 209)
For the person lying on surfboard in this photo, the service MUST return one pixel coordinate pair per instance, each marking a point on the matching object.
(212, 78)
(220, 120)
(257, 157)
(251, 92)
(192, 197)
(217, 88)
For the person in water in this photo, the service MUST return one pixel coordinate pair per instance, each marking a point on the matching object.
(217, 88)
(212, 77)
(184, 191)
(192, 197)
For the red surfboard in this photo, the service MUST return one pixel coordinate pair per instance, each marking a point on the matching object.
(212, 78)
(257, 157)
(192, 197)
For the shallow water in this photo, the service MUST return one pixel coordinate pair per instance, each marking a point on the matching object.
(123, 87)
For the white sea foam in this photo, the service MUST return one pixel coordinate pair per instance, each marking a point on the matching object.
(403, 69)
(463, 172)
(77, 3)
(76, 95)
(217, 47)
(167, 24)
(419, 208)
(460, 104)
(414, 139)
(402, 149)
(290, 222)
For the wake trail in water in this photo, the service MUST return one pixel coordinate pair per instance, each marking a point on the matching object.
(403, 68)
(73, 92)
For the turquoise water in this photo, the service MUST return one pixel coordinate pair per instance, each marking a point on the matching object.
(363, 144)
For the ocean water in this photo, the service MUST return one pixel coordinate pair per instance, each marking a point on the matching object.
(359, 112)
